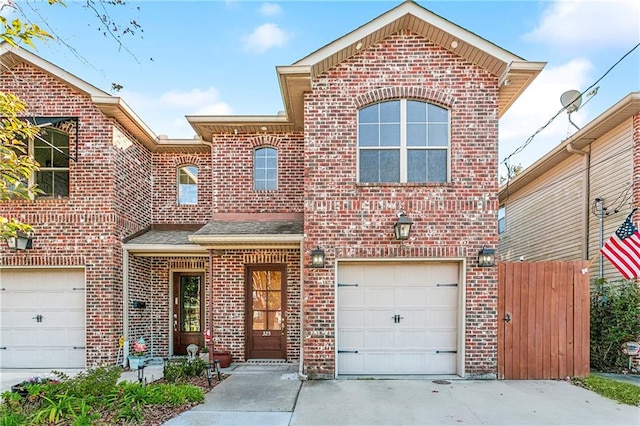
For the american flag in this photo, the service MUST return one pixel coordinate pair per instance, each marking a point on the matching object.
(623, 249)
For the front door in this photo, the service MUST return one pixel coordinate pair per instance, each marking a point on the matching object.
(266, 307)
(188, 311)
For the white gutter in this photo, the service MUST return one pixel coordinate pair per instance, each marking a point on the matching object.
(301, 375)
(125, 306)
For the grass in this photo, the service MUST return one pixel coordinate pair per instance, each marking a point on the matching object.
(622, 392)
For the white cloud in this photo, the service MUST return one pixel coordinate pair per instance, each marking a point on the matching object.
(590, 24)
(165, 114)
(265, 37)
(536, 106)
(270, 9)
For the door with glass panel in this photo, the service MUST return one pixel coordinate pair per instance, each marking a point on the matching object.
(188, 311)
(266, 307)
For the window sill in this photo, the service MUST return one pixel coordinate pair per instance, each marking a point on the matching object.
(405, 185)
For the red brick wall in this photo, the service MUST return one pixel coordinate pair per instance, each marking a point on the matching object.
(86, 228)
(233, 174)
(351, 220)
(165, 188)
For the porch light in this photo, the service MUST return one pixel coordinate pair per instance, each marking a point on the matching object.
(317, 258)
(20, 242)
(402, 228)
(487, 257)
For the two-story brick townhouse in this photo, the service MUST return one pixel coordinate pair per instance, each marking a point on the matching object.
(397, 117)
(578, 194)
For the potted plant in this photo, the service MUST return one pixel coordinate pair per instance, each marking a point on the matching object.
(204, 354)
(137, 356)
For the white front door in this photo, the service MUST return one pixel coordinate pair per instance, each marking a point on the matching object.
(42, 318)
(397, 318)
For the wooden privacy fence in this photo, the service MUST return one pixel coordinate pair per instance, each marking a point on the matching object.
(543, 320)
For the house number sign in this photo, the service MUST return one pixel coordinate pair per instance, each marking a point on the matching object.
(266, 333)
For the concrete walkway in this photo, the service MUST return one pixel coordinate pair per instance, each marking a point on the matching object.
(273, 398)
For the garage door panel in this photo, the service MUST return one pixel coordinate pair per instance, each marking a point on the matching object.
(410, 297)
(377, 297)
(58, 297)
(410, 313)
(378, 340)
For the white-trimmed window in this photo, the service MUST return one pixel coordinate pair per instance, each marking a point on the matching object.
(188, 185)
(265, 169)
(403, 141)
(51, 150)
(501, 220)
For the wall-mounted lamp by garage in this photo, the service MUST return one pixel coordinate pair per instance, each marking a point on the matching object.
(317, 258)
(138, 304)
(20, 242)
(487, 257)
(402, 227)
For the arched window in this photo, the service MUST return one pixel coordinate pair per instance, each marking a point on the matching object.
(265, 169)
(403, 141)
(188, 185)
(51, 151)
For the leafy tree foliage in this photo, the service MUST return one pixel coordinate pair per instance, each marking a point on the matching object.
(615, 319)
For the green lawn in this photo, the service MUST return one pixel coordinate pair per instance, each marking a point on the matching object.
(622, 392)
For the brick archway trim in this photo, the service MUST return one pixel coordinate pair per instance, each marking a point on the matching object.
(421, 93)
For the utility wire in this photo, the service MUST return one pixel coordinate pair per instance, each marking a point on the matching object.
(528, 141)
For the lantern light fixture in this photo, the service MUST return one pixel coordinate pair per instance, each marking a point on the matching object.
(486, 257)
(20, 241)
(317, 258)
(402, 227)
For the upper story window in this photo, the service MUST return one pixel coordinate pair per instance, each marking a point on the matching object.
(403, 141)
(501, 220)
(51, 151)
(188, 185)
(265, 169)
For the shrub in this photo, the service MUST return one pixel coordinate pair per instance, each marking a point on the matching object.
(615, 319)
(177, 369)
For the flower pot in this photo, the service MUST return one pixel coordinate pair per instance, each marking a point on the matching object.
(223, 357)
(135, 361)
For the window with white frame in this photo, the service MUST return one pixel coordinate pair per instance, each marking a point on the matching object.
(188, 185)
(51, 150)
(403, 141)
(265, 169)
(501, 219)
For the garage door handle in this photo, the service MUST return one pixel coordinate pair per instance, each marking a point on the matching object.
(397, 318)
(79, 347)
(3, 347)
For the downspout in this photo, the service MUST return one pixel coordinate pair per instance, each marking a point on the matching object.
(301, 375)
(586, 188)
(125, 305)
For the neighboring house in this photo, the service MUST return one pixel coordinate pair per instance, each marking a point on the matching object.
(551, 209)
(164, 239)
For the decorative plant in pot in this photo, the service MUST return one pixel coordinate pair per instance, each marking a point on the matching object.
(137, 356)
(223, 356)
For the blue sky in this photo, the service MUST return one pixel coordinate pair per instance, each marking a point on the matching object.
(219, 57)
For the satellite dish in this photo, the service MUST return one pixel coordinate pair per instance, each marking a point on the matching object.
(571, 100)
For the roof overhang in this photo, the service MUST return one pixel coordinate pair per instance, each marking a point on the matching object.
(256, 241)
(146, 250)
(206, 125)
(622, 111)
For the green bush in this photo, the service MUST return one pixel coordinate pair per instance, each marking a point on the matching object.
(177, 369)
(615, 319)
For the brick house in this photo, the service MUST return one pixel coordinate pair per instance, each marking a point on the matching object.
(164, 239)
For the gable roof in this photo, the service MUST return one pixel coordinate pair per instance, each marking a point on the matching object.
(111, 106)
(617, 114)
(514, 73)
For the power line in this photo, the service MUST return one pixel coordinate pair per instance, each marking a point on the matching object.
(530, 138)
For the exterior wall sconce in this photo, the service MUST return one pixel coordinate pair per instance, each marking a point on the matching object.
(402, 228)
(20, 242)
(487, 257)
(317, 258)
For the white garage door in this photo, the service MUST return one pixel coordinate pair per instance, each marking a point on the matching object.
(42, 318)
(397, 318)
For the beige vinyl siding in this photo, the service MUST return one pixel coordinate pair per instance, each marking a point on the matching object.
(611, 177)
(543, 219)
